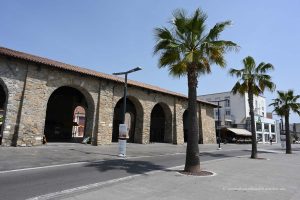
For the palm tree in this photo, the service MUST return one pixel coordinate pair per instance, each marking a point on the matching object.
(283, 105)
(252, 80)
(187, 49)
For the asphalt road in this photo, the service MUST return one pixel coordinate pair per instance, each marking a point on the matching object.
(24, 184)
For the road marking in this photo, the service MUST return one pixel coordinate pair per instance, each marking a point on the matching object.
(43, 167)
(81, 188)
(99, 184)
(84, 162)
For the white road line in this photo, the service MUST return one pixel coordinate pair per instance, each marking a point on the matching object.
(43, 167)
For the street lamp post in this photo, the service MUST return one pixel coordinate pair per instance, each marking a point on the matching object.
(219, 122)
(122, 140)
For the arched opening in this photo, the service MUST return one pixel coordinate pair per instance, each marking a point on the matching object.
(3, 102)
(64, 105)
(185, 125)
(161, 124)
(130, 119)
(79, 123)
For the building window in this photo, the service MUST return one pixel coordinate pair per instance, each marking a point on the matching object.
(258, 127)
(227, 102)
(266, 127)
(272, 128)
(227, 112)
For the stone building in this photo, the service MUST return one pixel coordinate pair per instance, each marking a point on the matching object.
(39, 95)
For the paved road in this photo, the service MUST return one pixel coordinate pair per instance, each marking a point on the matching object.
(39, 181)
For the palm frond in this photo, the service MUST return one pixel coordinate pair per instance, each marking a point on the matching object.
(163, 34)
(255, 78)
(249, 64)
(169, 57)
(179, 69)
(186, 41)
(263, 67)
(286, 102)
(240, 88)
(226, 45)
(214, 33)
(236, 72)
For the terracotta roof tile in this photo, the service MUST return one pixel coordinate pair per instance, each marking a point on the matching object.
(40, 60)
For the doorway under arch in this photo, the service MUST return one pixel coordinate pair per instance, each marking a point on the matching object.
(61, 108)
(3, 102)
(130, 119)
(161, 124)
(134, 117)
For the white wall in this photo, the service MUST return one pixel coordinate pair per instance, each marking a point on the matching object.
(239, 107)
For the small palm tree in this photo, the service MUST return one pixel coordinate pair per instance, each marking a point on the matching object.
(186, 49)
(252, 80)
(283, 105)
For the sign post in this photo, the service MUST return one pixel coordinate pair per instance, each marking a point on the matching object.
(123, 136)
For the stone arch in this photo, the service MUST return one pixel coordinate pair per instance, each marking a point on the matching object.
(3, 106)
(185, 125)
(60, 110)
(161, 124)
(134, 109)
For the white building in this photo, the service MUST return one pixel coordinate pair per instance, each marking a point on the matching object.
(234, 112)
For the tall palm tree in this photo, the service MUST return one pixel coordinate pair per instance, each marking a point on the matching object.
(187, 49)
(283, 105)
(252, 80)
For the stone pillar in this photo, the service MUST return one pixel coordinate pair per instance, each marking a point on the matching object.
(207, 124)
(106, 112)
(13, 75)
(145, 133)
(178, 122)
(34, 104)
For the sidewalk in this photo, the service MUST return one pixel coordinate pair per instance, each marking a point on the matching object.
(236, 178)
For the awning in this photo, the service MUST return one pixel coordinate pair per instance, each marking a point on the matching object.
(240, 131)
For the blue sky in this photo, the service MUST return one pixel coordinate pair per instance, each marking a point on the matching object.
(112, 36)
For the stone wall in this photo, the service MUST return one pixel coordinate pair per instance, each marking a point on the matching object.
(29, 87)
(12, 74)
(207, 124)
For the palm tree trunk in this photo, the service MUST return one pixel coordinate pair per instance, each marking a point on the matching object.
(287, 134)
(253, 131)
(192, 161)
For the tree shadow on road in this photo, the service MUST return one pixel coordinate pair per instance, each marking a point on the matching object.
(216, 155)
(128, 166)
